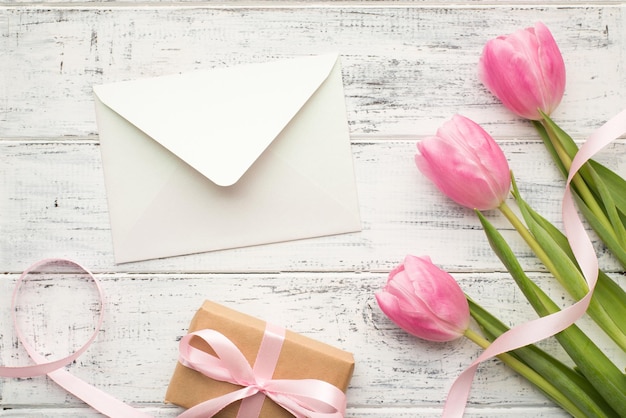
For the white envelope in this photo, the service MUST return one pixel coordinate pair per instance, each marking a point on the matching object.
(227, 158)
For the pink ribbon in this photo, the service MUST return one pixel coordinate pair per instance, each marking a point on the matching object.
(302, 398)
(91, 395)
(582, 247)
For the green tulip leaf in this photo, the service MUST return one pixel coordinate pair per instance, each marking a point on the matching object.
(506, 255)
(614, 183)
(608, 295)
(611, 210)
(608, 380)
(541, 130)
(560, 263)
(602, 191)
(607, 237)
(568, 381)
(606, 310)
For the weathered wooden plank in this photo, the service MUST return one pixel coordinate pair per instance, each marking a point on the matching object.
(411, 412)
(322, 3)
(146, 314)
(406, 68)
(54, 205)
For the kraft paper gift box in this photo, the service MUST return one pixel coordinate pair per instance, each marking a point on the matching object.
(300, 358)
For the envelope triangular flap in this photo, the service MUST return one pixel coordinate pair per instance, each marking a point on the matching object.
(219, 121)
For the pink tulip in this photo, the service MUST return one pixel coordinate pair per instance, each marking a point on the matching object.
(525, 70)
(425, 301)
(466, 164)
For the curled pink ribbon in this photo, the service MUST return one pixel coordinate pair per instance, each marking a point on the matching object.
(582, 247)
(99, 400)
(302, 398)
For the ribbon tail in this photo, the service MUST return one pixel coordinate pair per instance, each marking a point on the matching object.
(519, 336)
(94, 397)
(308, 398)
(213, 406)
(301, 409)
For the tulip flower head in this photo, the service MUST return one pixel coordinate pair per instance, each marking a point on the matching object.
(425, 301)
(525, 70)
(466, 164)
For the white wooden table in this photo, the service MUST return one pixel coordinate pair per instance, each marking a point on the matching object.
(407, 67)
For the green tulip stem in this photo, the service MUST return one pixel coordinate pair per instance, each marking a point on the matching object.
(527, 372)
(534, 245)
(475, 337)
(558, 147)
(581, 187)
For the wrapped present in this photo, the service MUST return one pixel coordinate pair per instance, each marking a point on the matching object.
(230, 361)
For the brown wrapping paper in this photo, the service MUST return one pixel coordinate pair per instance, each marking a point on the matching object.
(300, 358)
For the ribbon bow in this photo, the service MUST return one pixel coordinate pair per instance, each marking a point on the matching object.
(303, 398)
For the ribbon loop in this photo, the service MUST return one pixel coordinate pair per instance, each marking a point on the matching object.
(91, 395)
(43, 366)
(302, 398)
(228, 365)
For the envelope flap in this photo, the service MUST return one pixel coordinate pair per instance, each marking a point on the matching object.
(219, 121)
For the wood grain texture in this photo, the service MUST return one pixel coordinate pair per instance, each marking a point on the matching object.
(146, 314)
(407, 67)
(55, 206)
(412, 412)
(321, 3)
